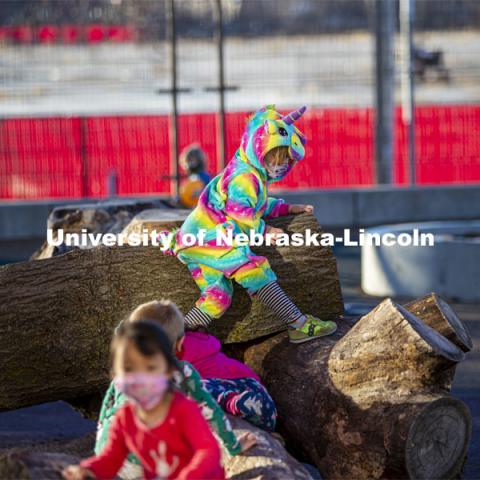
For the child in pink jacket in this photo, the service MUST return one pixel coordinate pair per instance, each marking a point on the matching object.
(235, 386)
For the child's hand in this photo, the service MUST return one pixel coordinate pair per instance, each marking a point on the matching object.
(300, 209)
(247, 441)
(76, 472)
(273, 233)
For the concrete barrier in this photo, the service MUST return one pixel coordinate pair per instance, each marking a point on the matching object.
(365, 207)
(449, 267)
(23, 223)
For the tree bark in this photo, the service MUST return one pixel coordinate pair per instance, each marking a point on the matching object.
(268, 460)
(57, 315)
(369, 401)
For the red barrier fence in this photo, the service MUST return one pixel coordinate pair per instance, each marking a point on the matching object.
(72, 157)
(90, 34)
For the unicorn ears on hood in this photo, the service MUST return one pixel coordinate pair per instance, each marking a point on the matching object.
(272, 126)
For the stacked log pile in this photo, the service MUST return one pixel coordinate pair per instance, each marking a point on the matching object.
(370, 401)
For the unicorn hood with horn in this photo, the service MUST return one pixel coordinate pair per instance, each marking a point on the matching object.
(238, 198)
(268, 129)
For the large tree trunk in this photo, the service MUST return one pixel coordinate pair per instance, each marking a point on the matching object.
(370, 401)
(267, 460)
(57, 315)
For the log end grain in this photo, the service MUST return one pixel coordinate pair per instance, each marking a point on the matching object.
(440, 344)
(460, 329)
(436, 313)
(438, 440)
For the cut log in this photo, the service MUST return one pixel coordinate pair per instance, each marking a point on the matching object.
(268, 460)
(438, 314)
(369, 401)
(57, 315)
(391, 354)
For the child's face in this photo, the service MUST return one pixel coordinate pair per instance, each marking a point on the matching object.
(278, 163)
(129, 360)
(276, 159)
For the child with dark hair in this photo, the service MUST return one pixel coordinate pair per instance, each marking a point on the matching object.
(169, 317)
(162, 427)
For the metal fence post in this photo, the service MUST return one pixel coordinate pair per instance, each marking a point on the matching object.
(174, 117)
(221, 137)
(407, 80)
(384, 89)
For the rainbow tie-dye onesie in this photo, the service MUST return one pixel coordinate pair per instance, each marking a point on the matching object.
(237, 200)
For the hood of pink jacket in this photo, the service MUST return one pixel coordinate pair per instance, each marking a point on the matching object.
(203, 351)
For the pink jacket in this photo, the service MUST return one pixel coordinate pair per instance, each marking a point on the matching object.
(203, 352)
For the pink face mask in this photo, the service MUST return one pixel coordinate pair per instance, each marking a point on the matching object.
(145, 389)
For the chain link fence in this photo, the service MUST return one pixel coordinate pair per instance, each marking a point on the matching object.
(86, 90)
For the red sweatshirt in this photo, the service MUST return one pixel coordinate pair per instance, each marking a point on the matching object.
(181, 447)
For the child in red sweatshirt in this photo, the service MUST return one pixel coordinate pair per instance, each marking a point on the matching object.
(163, 428)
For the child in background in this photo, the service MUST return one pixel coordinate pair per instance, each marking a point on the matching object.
(235, 387)
(162, 427)
(237, 201)
(194, 161)
(167, 315)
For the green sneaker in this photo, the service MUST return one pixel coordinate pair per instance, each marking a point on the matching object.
(313, 328)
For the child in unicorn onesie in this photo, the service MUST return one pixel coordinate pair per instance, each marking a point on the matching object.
(237, 200)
